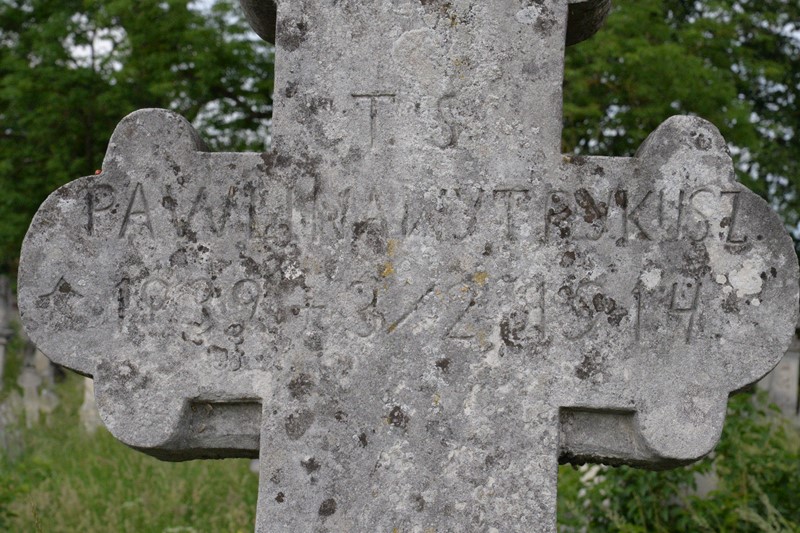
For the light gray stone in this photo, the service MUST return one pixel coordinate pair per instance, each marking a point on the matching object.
(415, 305)
(43, 367)
(782, 383)
(30, 381)
(10, 434)
(89, 415)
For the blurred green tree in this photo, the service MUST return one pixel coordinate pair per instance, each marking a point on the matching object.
(71, 69)
(733, 62)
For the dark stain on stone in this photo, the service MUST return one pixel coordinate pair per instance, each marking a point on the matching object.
(701, 142)
(731, 304)
(280, 498)
(443, 364)
(558, 215)
(340, 416)
(178, 259)
(297, 424)
(512, 328)
(774, 272)
(311, 465)
(590, 366)
(273, 160)
(313, 341)
(371, 232)
(316, 104)
(126, 377)
(603, 303)
(621, 198)
(591, 210)
(599, 171)
(398, 418)
(328, 508)
(251, 267)
(568, 259)
(276, 476)
(487, 249)
(696, 261)
(546, 21)
(301, 386)
(169, 203)
(291, 34)
(493, 459)
(531, 70)
(291, 89)
(616, 317)
(419, 503)
(362, 439)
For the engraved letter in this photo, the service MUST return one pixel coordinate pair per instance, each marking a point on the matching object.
(691, 310)
(703, 218)
(373, 110)
(634, 215)
(516, 201)
(98, 198)
(137, 208)
(731, 220)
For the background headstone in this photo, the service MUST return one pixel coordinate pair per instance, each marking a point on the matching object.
(43, 367)
(6, 312)
(782, 383)
(30, 381)
(90, 417)
(415, 306)
(10, 435)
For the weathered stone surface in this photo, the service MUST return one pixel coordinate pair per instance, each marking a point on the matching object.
(415, 306)
(585, 18)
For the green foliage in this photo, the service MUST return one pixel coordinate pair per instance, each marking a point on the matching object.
(733, 62)
(757, 464)
(71, 69)
(65, 481)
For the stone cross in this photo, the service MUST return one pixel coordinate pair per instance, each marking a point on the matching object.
(414, 306)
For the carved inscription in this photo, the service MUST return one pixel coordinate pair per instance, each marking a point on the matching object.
(374, 100)
(580, 308)
(525, 214)
(138, 211)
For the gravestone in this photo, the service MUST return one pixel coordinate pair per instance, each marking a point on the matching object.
(90, 417)
(10, 434)
(43, 367)
(414, 306)
(783, 382)
(6, 304)
(30, 381)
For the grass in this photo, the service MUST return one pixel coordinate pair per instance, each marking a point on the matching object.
(58, 478)
(64, 480)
